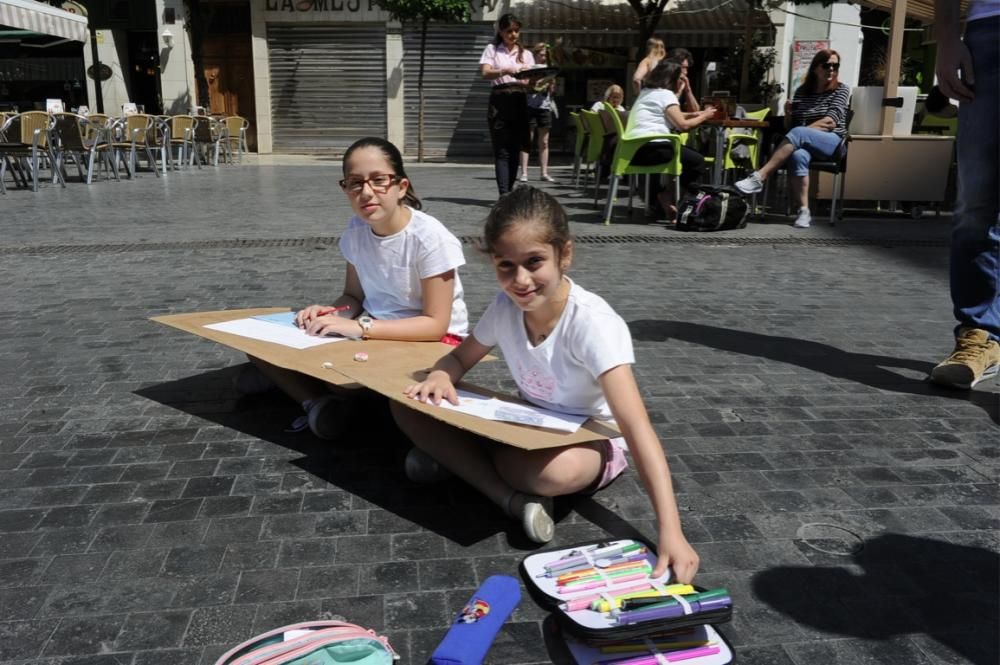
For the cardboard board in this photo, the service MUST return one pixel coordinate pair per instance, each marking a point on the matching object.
(391, 367)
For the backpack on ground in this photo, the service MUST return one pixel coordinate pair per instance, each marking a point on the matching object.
(713, 209)
(327, 642)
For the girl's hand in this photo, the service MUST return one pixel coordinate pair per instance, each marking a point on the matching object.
(677, 553)
(788, 107)
(825, 124)
(436, 386)
(306, 315)
(331, 324)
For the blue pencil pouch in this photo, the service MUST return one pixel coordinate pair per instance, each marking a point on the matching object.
(471, 636)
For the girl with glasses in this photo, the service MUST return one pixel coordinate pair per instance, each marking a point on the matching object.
(401, 280)
(817, 116)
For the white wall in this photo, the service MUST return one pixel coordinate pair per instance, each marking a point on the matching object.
(176, 70)
(115, 89)
(847, 40)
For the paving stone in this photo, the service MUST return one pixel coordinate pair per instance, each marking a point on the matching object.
(772, 385)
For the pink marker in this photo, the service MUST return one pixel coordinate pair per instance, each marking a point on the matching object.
(604, 585)
(671, 657)
(582, 603)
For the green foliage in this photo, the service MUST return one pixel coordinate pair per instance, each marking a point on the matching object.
(449, 11)
(761, 62)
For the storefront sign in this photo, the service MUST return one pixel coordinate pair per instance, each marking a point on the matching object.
(299, 6)
(802, 54)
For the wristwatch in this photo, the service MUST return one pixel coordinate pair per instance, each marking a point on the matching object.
(366, 324)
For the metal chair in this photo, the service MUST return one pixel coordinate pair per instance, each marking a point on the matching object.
(133, 135)
(209, 134)
(581, 143)
(236, 128)
(71, 131)
(621, 165)
(181, 137)
(595, 146)
(27, 136)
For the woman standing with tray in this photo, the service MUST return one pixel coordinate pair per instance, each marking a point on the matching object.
(508, 110)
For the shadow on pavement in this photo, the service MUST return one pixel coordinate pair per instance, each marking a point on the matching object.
(366, 461)
(862, 368)
(910, 585)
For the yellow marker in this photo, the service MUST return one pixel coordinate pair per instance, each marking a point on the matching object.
(675, 589)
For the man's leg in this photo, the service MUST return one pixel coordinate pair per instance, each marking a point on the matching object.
(975, 246)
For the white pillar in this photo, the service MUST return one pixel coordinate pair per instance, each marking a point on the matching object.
(261, 79)
(394, 85)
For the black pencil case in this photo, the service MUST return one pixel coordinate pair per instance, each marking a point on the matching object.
(589, 627)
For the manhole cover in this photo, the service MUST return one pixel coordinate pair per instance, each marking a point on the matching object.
(830, 539)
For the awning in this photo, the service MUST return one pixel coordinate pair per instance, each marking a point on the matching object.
(595, 24)
(43, 19)
(922, 10)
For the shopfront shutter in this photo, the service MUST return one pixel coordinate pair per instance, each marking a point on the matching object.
(455, 96)
(327, 85)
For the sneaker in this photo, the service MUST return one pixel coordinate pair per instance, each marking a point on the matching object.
(751, 184)
(423, 469)
(249, 380)
(976, 358)
(328, 416)
(547, 178)
(535, 513)
(804, 220)
(523, 177)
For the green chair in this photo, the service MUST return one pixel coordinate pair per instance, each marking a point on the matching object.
(751, 140)
(581, 142)
(595, 145)
(621, 165)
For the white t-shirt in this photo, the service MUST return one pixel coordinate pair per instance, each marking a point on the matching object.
(646, 116)
(562, 372)
(390, 268)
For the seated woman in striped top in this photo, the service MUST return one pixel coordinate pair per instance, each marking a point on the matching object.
(818, 119)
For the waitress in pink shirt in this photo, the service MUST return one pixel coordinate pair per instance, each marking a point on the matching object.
(508, 111)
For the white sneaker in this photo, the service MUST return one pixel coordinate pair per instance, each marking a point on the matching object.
(803, 220)
(523, 177)
(423, 469)
(535, 513)
(751, 184)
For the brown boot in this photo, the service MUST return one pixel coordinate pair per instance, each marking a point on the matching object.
(976, 357)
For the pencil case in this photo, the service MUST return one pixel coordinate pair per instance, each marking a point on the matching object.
(327, 642)
(476, 626)
(591, 610)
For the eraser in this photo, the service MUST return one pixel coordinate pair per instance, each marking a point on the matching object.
(361, 357)
(328, 365)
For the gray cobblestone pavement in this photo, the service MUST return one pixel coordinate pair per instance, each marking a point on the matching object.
(148, 516)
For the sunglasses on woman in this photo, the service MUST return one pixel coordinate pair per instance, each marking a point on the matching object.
(832, 66)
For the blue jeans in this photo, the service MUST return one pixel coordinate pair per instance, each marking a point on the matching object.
(975, 239)
(808, 142)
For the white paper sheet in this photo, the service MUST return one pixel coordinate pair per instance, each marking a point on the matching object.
(492, 408)
(272, 332)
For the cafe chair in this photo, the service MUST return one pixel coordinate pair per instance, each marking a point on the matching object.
(595, 145)
(208, 135)
(836, 165)
(236, 128)
(27, 137)
(135, 136)
(182, 137)
(580, 146)
(621, 166)
(71, 140)
(751, 140)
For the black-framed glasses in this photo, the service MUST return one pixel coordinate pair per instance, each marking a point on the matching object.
(831, 66)
(380, 183)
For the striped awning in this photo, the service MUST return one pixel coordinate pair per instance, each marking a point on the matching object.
(595, 24)
(922, 10)
(43, 19)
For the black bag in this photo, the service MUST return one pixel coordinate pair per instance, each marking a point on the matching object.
(713, 209)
